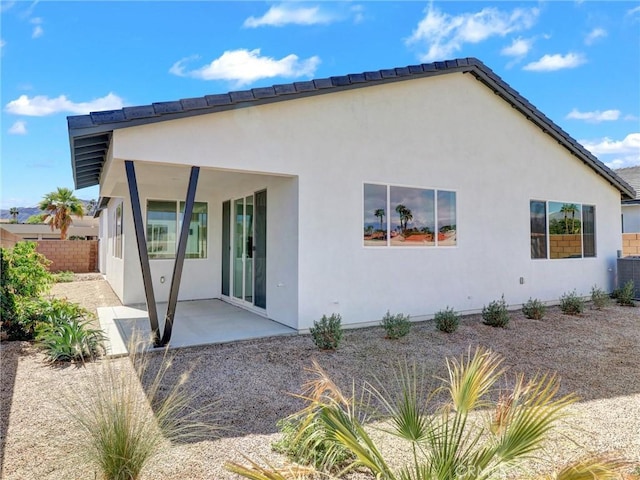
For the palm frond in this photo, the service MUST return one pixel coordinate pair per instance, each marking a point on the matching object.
(407, 404)
(471, 379)
(532, 413)
(349, 432)
(258, 472)
(592, 468)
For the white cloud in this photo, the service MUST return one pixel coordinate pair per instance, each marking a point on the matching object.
(518, 48)
(284, 14)
(38, 31)
(443, 34)
(594, 117)
(4, 6)
(358, 13)
(619, 153)
(18, 128)
(549, 63)
(41, 105)
(246, 66)
(594, 35)
(634, 11)
(607, 146)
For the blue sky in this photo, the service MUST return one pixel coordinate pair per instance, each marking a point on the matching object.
(578, 62)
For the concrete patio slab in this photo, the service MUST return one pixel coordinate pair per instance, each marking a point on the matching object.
(197, 322)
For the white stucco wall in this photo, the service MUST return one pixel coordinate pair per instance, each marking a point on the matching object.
(201, 278)
(631, 218)
(113, 268)
(447, 132)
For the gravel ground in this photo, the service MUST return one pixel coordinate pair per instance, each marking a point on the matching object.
(596, 356)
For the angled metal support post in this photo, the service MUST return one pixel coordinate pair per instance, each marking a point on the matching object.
(142, 250)
(180, 254)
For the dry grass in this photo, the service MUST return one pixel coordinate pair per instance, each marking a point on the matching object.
(597, 356)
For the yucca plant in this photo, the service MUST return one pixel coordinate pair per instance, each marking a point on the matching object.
(127, 415)
(454, 440)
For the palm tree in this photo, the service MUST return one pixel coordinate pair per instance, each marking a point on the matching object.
(408, 216)
(91, 206)
(380, 213)
(573, 209)
(60, 205)
(565, 209)
(405, 216)
(569, 208)
(13, 211)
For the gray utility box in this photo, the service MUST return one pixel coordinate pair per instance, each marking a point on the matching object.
(629, 269)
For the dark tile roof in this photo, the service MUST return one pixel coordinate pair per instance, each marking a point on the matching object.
(90, 135)
(631, 175)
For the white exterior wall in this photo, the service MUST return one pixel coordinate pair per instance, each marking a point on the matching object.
(201, 278)
(113, 267)
(103, 236)
(448, 132)
(631, 218)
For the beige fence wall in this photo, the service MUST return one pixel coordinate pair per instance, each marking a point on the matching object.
(79, 256)
(8, 239)
(562, 246)
(630, 244)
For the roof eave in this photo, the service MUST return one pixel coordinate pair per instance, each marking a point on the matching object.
(100, 123)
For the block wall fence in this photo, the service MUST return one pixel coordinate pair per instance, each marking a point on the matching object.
(630, 244)
(78, 256)
(8, 239)
(561, 246)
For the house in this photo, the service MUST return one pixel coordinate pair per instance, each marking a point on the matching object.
(409, 190)
(631, 213)
(631, 207)
(85, 227)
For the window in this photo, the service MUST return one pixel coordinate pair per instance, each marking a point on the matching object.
(407, 216)
(164, 219)
(562, 230)
(197, 239)
(117, 240)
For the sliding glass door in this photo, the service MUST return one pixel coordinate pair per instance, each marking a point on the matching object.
(244, 249)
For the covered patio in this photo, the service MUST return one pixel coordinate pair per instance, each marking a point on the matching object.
(197, 322)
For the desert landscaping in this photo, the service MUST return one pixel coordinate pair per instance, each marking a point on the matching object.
(595, 355)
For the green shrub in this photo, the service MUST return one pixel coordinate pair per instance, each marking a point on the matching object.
(63, 277)
(27, 273)
(447, 320)
(626, 294)
(599, 298)
(396, 326)
(69, 339)
(31, 312)
(8, 314)
(571, 303)
(534, 309)
(327, 333)
(496, 314)
(305, 441)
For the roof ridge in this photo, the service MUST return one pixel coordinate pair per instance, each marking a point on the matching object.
(211, 101)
